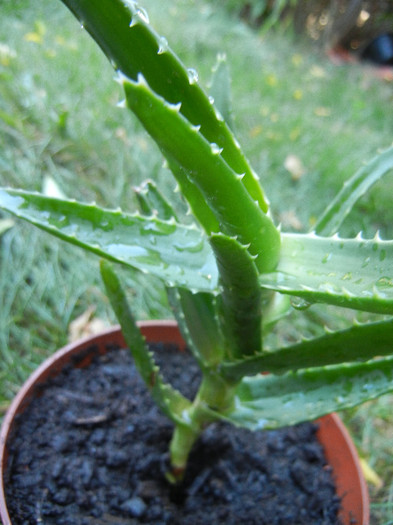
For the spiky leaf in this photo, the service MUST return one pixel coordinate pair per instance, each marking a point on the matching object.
(354, 188)
(122, 30)
(177, 254)
(204, 166)
(152, 202)
(220, 89)
(268, 401)
(196, 316)
(240, 299)
(357, 343)
(352, 273)
(171, 402)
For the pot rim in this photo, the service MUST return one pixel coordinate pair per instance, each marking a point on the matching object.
(339, 448)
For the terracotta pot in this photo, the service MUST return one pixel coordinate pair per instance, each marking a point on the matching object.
(339, 449)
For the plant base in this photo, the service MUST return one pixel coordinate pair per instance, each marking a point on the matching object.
(103, 432)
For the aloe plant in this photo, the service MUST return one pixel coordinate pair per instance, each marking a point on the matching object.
(231, 273)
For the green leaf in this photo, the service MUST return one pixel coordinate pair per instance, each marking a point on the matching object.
(170, 401)
(353, 189)
(268, 401)
(196, 317)
(357, 343)
(204, 166)
(220, 89)
(179, 255)
(122, 30)
(352, 273)
(240, 299)
(152, 202)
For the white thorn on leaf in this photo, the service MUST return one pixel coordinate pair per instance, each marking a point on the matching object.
(218, 115)
(142, 14)
(215, 148)
(192, 76)
(173, 107)
(141, 81)
(163, 45)
(377, 237)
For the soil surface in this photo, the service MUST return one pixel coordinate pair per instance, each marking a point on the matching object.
(92, 450)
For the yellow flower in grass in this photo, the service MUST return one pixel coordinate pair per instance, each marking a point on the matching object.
(322, 111)
(295, 133)
(297, 59)
(36, 36)
(255, 131)
(298, 94)
(271, 80)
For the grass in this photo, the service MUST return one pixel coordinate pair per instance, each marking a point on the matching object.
(59, 120)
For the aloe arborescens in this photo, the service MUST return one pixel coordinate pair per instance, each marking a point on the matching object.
(229, 275)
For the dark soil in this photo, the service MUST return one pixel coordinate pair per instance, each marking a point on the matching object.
(92, 450)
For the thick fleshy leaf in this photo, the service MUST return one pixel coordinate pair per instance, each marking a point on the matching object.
(352, 273)
(123, 32)
(240, 299)
(268, 401)
(353, 189)
(179, 255)
(220, 89)
(152, 202)
(171, 401)
(357, 343)
(196, 316)
(202, 163)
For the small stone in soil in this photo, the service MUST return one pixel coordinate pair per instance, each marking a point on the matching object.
(134, 507)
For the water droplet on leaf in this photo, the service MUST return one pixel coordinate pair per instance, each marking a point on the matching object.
(384, 283)
(300, 304)
(192, 76)
(142, 13)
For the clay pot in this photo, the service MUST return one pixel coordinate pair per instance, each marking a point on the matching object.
(339, 449)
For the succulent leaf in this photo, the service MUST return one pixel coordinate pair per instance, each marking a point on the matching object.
(220, 89)
(134, 48)
(240, 299)
(352, 273)
(354, 188)
(170, 401)
(355, 344)
(151, 201)
(196, 317)
(204, 166)
(268, 401)
(179, 255)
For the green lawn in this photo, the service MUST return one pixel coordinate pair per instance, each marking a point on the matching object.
(305, 123)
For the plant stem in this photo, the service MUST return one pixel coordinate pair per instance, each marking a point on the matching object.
(214, 395)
